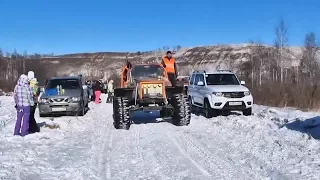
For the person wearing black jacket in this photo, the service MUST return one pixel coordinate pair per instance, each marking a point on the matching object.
(97, 88)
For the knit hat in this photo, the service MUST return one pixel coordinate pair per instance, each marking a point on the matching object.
(30, 75)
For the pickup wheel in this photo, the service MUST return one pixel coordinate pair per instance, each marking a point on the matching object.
(121, 113)
(247, 112)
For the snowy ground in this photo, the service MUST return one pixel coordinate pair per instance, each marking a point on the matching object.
(272, 144)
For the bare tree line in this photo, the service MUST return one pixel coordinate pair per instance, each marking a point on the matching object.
(273, 75)
(13, 64)
(277, 78)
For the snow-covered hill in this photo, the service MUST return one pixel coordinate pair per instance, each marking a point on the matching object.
(272, 144)
(105, 64)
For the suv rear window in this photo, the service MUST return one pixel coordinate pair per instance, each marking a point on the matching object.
(222, 79)
(65, 83)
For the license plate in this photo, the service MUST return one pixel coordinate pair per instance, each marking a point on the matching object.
(59, 109)
(235, 103)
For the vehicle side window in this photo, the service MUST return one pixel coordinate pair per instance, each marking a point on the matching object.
(197, 79)
(201, 77)
(192, 79)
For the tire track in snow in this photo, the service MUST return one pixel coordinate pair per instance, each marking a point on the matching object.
(189, 157)
(149, 159)
(108, 164)
(104, 165)
(102, 138)
(213, 163)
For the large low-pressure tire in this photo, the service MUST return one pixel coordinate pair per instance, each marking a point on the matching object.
(121, 113)
(182, 110)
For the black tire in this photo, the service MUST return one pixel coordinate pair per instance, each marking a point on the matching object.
(82, 110)
(182, 110)
(247, 112)
(87, 105)
(42, 115)
(208, 111)
(121, 113)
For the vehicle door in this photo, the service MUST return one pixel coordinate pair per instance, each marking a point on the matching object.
(85, 92)
(196, 89)
(202, 89)
(191, 85)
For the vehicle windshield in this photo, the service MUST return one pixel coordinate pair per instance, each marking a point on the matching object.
(65, 84)
(222, 79)
(184, 79)
(145, 71)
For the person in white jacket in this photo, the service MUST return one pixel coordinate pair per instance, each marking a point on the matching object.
(110, 91)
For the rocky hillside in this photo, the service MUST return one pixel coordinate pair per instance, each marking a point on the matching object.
(105, 64)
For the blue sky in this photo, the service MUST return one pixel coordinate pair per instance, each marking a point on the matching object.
(70, 26)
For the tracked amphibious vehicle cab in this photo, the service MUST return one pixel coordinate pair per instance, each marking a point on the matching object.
(146, 87)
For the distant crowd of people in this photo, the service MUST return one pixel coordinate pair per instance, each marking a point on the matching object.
(97, 87)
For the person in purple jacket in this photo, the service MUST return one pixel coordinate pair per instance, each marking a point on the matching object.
(23, 98)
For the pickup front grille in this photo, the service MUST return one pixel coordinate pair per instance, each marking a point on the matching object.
(233, 94)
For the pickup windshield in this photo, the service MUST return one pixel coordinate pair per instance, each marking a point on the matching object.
(222, 79)
(147, 71)
(65, 83)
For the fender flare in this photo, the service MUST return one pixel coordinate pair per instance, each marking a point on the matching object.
(209, 98)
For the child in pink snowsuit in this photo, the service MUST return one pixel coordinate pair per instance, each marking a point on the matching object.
(23, 98)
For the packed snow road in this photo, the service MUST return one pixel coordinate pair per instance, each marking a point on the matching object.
(264, 146)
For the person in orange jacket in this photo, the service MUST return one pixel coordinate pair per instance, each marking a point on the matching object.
(168, 62)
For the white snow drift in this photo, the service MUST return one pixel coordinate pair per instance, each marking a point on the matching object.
(272, 144)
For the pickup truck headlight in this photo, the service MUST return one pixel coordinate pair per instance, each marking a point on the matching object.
(44, 100)
(247, 93)
(75, 99)
(218, 93)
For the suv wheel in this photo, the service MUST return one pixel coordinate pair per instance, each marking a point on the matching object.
(82, 110)
(208, 111)
(247, 112)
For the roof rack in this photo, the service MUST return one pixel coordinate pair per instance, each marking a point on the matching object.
(199, 71)
(224, 70)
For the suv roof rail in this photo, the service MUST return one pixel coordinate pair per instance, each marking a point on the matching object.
(199, 71)
(224, 70)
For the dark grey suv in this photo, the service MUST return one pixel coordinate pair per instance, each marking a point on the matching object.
(64, 95)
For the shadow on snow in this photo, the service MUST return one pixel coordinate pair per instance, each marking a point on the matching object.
(309, 126)
(145, 117)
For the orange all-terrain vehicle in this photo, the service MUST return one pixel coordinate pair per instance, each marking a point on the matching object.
(146, 87)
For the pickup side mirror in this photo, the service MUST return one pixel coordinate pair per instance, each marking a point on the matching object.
(242, 82)
(200, 83)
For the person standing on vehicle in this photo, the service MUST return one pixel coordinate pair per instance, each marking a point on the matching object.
(24, 100)
(110, 91)
(168, 62)
(98, 88)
